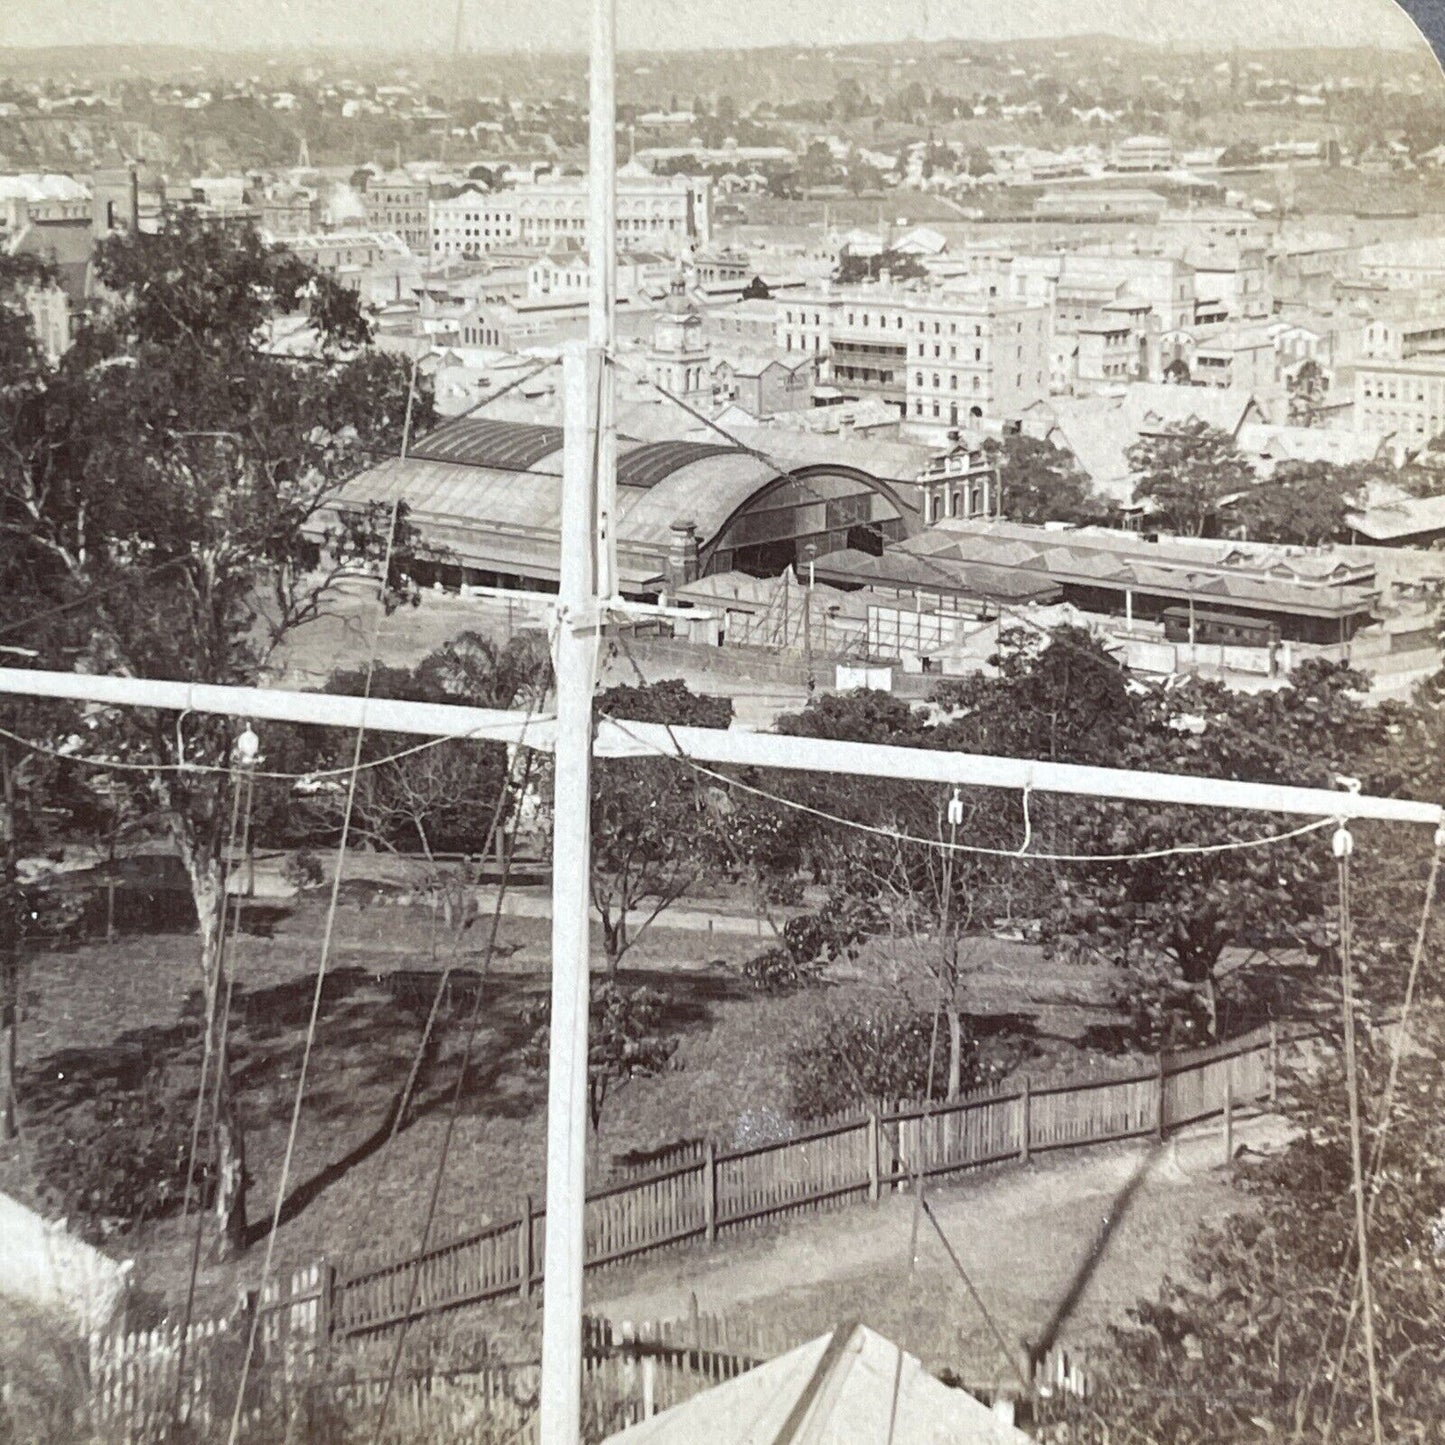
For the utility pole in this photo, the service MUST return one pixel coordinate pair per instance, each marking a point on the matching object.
(587, 580)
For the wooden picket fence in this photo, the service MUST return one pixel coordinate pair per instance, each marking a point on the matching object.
(632, 1370)
(709, 1192)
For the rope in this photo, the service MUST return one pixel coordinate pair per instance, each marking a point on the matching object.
(445, 1151)
(919, 1178)
(326, 941)
(213, 1026)
(1381, 1136)
(1352, 1084)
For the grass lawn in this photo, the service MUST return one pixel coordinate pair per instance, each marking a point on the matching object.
(97, 1015)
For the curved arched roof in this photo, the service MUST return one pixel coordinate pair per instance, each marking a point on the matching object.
(478, 476)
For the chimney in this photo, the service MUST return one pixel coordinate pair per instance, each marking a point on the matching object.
(682, 558)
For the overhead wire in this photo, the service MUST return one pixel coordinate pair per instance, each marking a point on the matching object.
(326, 941)
(941, 845)
(311, 776)
(504, 793)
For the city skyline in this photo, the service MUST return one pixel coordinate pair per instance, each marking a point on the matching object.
(430, 25)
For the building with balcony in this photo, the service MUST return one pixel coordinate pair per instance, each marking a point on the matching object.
(399, 203)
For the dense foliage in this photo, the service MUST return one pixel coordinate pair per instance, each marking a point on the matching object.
(881, 1051)
(654, 820)
(169, 502)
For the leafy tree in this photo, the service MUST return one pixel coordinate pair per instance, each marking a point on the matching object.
(877, 1053)
(626, 1039)
(1185, 473)
(172, 485)
(1303, 503)
(1240, 154)
(1040, 482)
(654, 831)
(818, 168)
(1250, 1343)
(853, 269)
(1173, 916)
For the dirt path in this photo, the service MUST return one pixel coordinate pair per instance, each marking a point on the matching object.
(1081, 1235)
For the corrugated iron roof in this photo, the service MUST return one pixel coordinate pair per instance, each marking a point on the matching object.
(485, 442)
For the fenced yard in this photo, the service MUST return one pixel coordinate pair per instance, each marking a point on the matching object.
(699, 1194)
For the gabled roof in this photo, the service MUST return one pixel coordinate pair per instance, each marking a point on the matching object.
(1391, 521)
(850, 1387)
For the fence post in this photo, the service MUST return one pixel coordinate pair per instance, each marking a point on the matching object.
(1228, 1116)
(875, 1187)
(1273, 1061)
(1159, 1105)
(1026, 1120)
(326, 1305)
(709, 1192)
(524, 1248)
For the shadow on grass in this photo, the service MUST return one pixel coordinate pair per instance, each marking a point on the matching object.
(495, 1062)
(1089, 1265)
(369, 1027)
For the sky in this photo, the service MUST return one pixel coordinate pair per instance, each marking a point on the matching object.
(687, 24)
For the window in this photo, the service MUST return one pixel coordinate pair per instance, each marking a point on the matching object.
(953, 382)
(937, 351)
(978, 353)
(935, 408)
(953, 353)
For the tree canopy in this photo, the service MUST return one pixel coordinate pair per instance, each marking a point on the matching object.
(167, 495)
(1186, 472)
(1040, 482)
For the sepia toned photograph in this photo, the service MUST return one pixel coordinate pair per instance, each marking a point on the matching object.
(722, 725)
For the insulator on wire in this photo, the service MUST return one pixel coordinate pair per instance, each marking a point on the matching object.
(1343, 843)
(1440, 838)
(247, 750)
(955, 810)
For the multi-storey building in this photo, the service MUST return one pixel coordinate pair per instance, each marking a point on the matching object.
(671, 214)
(473, 223)
(1404, 399)
(943, 356)
(1389, 339)
(1144, 153)
(399, 203)
(659, 213)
